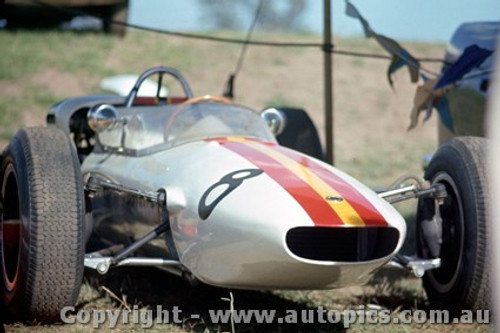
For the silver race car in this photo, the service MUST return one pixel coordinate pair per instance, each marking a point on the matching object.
(219, 193)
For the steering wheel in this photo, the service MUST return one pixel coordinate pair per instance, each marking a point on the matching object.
(161, 70)
(208, 98)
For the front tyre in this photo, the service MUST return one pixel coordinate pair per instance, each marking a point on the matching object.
(462, 280)
(41, 226)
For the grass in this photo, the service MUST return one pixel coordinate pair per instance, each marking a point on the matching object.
(30, 51)
(38, 69)
(8, 116)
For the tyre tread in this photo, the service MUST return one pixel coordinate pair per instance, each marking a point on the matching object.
(55, 268)
(471, 152)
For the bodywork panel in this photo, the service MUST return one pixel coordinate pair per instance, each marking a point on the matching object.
(261, 192)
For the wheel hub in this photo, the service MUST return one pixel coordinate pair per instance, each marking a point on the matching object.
(10, 229)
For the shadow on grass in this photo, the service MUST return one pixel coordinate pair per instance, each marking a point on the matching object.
(149, 288)
(397, 290)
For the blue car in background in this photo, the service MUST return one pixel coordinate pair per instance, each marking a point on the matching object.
(467, 101)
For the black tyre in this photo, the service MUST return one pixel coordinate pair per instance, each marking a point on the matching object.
(300, 133)
(41, 227)
(462, 280)
(117, 13)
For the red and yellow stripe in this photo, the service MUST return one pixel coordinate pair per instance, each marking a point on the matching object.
(309, 183)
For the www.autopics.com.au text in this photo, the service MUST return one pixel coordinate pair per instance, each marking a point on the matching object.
(146, 318)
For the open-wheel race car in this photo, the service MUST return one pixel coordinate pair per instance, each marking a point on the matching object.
(219, 193)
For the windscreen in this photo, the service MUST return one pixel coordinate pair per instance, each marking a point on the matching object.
(149, 129)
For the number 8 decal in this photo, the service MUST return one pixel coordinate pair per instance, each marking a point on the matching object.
(232, 181)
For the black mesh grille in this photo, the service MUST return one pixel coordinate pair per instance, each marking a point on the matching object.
(348, 244)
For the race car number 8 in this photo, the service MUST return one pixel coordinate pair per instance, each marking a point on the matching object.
(230, 181)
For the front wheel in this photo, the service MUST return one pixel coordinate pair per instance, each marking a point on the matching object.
(462, 280)
(41, 225)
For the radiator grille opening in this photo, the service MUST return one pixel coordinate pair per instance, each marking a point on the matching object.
(345, 244)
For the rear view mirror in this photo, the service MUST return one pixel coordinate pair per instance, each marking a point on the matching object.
(275, 119)
(101, 117)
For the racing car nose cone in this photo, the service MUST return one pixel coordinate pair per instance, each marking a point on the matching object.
(324, 193)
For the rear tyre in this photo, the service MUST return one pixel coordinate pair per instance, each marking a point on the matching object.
(462, 280)
(300, 133)
(41, 227)
(117, 13)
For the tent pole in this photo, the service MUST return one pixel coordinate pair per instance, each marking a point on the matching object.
(328, 81)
